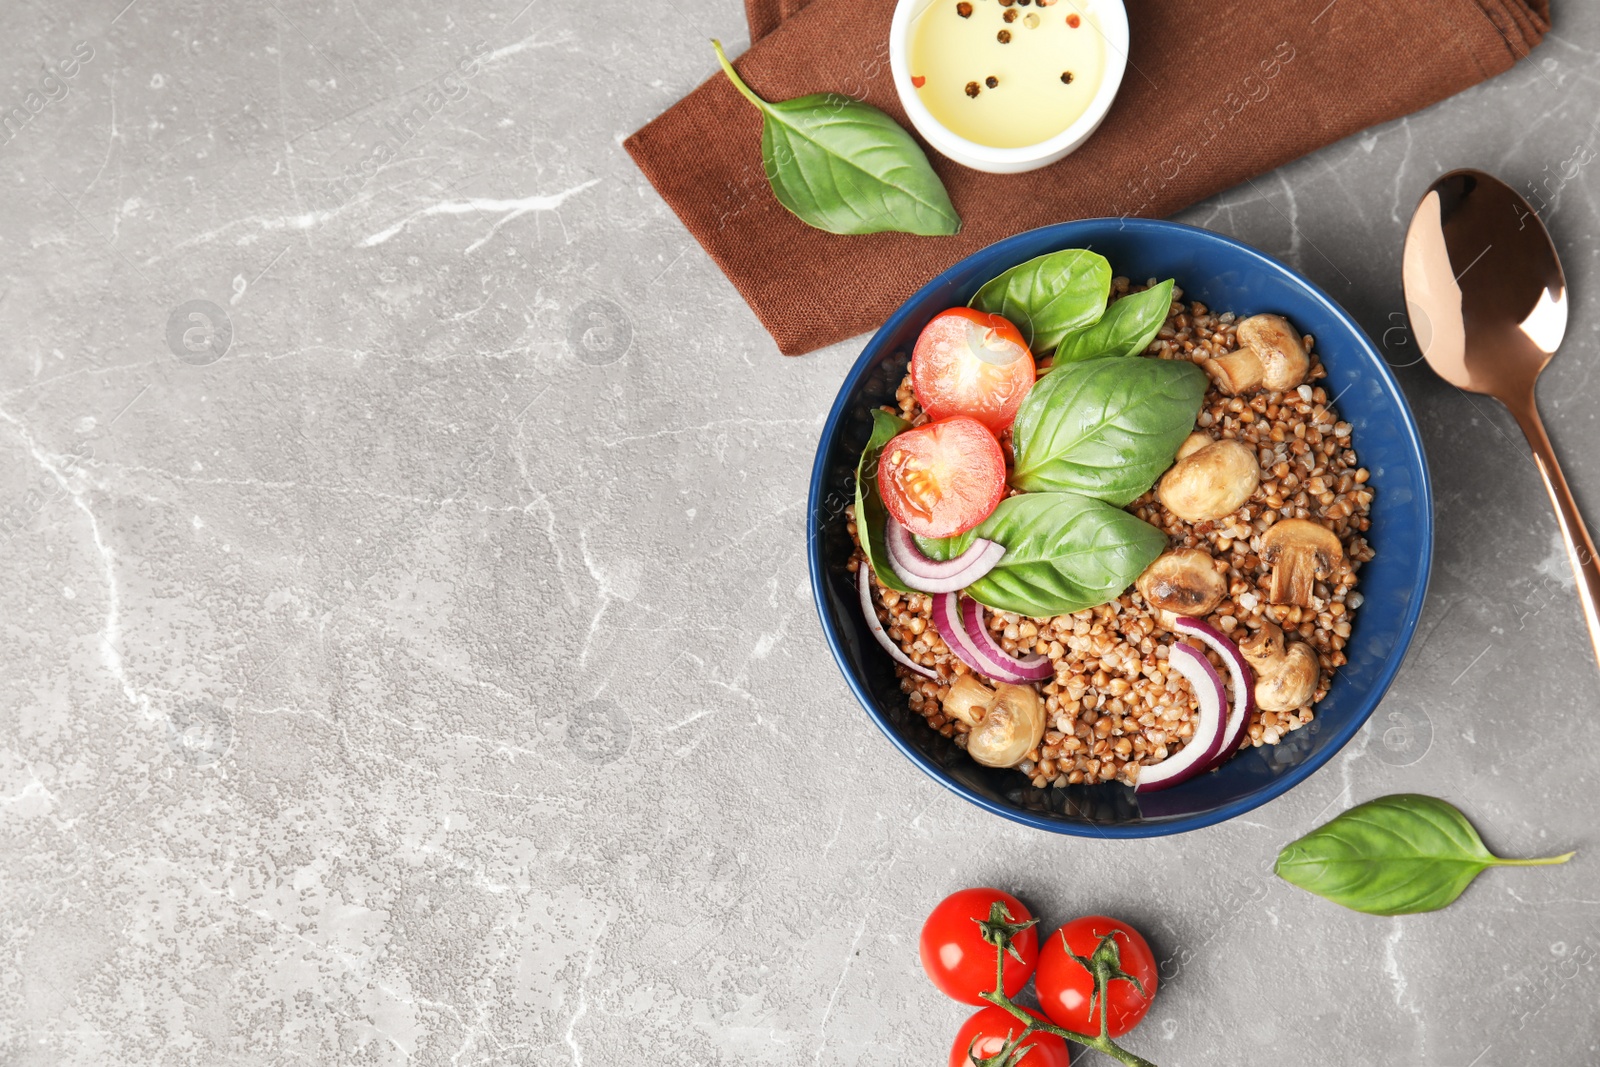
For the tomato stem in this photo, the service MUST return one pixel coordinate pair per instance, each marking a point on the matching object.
(1105, 965)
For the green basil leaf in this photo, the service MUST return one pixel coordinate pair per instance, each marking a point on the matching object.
(1393, 856)
(1050, 296)
(1126, 329)
(846, 167)
(870, 512)
(1064, 553)
(1106, 428)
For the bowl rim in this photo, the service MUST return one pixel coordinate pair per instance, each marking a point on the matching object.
(1144, 828)
(1116, 37)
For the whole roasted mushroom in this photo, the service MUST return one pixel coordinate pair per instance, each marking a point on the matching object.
(1286, 672)
(1210, 479)
(1300, 552)
(1269, 356)
(1184, 581)
(1007, 721)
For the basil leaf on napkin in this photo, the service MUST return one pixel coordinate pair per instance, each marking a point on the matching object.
(870, 512)
(1126, 329)
(845, 167)
(1106, 428)
(1064, 553)
(1393, 856)
(1049, 296)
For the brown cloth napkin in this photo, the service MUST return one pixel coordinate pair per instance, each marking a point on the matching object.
(1216, 92)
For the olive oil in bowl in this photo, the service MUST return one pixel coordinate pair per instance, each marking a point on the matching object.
(1006, 73)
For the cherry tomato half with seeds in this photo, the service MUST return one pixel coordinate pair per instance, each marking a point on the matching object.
(987, 1032)
(1065, 985)
(972, 363)
(956, 957)
(942, 478)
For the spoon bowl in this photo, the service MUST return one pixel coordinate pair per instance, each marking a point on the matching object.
(1487, 300)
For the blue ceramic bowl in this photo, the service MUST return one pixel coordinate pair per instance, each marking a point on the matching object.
(1226, 276)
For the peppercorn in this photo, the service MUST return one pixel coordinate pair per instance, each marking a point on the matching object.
(1010, 16)
(1007, 3)
(1066, 77)
(1074, 21)
(1004, 36)
(972, 88)
(991, 81)
(964, 9)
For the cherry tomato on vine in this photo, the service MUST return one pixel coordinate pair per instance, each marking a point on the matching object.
(973, 363)
(957, 958)
(1065, 985)
(987, 1032)
(942, 478)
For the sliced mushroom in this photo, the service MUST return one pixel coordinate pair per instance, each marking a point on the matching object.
(968, 700)
(1269, 356)
(1284, 362)
(1184, 581)
(1299, 552)
(1211, 479)
(1286, 673)
(1009, 729)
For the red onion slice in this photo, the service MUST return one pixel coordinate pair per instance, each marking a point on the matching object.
(880, 634)
(947, 620)
(934, 576)
(1202, 748)
(1002, 664)
(1242, 678)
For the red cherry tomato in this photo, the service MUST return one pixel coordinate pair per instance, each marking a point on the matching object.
(942, 478)
(987, 1032)
(1065, 985)
(971, 363)
(957, 958)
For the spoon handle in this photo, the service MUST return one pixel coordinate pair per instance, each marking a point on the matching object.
(1580, 546)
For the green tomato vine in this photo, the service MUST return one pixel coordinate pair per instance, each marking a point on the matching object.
(1105, 964)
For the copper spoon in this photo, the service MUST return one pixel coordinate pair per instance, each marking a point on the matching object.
(1488, 306)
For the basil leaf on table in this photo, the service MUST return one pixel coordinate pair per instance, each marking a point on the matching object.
(870, 512)
(1393, 856)
(846, 167)
(1064, 553)
(1126, 329)
(1106, 428)
(1049, 296)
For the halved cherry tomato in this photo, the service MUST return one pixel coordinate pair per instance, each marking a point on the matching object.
(987, 1032)
(969, 362)
(942, 478)
(1065, 985)
(957, 958)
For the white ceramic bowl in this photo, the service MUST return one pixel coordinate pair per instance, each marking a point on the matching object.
(1112, 19)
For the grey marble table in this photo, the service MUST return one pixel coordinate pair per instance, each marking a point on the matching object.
(408, 655)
